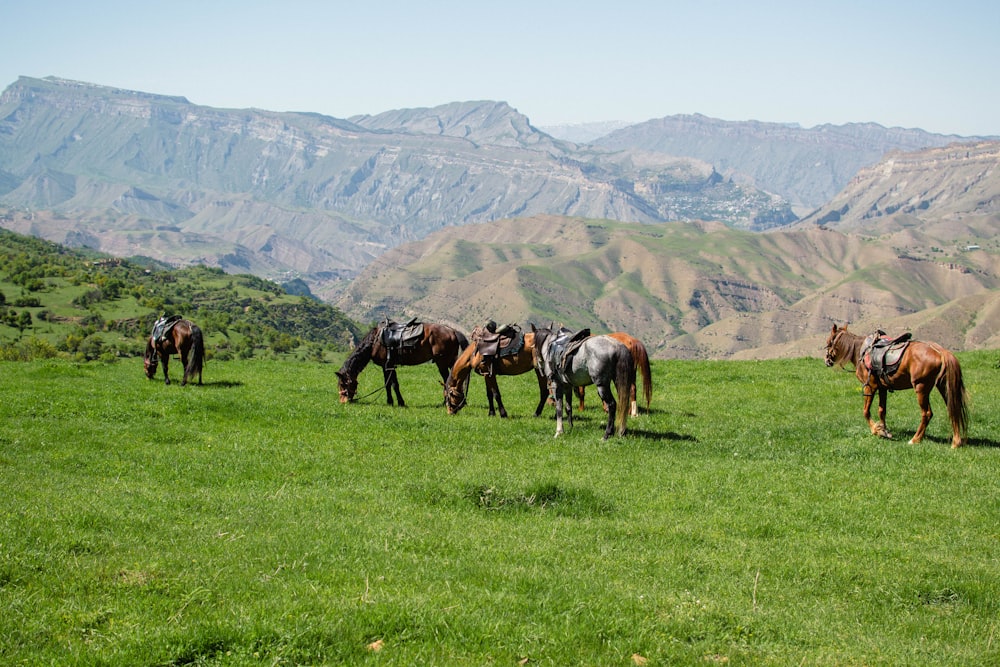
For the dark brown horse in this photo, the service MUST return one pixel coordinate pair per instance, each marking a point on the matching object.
(439, 343)
(922, 367)
(457, 382)
(183, 338)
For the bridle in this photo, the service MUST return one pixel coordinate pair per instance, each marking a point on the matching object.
(832, 350)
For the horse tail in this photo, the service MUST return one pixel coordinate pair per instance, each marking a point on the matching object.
(197, 359)
(956, 397)
(624, 381)
(642, 364)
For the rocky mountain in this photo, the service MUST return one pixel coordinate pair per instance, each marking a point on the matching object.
(299, 195)
(911, 245)
(947, 187)
(806, 166)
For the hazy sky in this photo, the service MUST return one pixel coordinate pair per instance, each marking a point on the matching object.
(932, 65)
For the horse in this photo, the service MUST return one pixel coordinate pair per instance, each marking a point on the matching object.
(641, 357)
(183, 338)
(438, 343)
(599, 360)
(457, 383)
(922, 367)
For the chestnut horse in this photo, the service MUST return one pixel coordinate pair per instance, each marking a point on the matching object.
(923, 366)
(440, 344)
(457, 383)
(183, 338)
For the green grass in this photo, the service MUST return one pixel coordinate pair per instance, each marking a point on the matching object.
(749, 519)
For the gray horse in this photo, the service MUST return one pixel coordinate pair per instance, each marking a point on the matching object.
(570, 360)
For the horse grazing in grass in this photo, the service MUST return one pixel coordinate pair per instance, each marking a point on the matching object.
(922, 366)
(569, 359)
(175, 336)
(432, 342)
(472, 359)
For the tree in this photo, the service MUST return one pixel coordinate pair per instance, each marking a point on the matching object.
(23, 321)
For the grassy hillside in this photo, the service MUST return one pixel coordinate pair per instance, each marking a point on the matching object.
(750, 518)
(83, 304)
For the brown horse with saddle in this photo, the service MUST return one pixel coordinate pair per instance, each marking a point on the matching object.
(175, 335)
(392, 344)
(884, 364)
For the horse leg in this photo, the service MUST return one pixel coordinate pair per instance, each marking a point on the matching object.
(635, 404)
(543, 393)
(493, 388)
(559, 406)
(883, 397)
(489, 397)
(166, 374)
(389, 379)
(184, 365)
(609, 399)
(869, 394)
(924, 401)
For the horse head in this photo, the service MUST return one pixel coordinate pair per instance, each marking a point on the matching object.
(150, 360)
(454, 396)
(347, 386)
(834, 352)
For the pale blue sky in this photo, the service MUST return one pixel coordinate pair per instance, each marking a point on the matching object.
(932, 65)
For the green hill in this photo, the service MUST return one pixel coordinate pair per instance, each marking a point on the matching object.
(87, 305)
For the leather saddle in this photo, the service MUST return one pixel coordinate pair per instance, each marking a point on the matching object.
(565, 346)
(396, 337)
(881, 354)
(163, 326)
(506, 342)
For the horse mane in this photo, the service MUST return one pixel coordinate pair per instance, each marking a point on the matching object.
(362, 354)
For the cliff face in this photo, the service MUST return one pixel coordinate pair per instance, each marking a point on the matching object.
(939, 184)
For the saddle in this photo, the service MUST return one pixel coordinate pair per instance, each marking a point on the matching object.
(493, 344)
(163, 326)
(881, 354)
(397, 337)
(565, 345)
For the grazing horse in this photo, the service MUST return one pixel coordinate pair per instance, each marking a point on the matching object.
(922, 367)
(438, 343)
(638, 351)
(457, 384)
(599, 360)
(183, 338)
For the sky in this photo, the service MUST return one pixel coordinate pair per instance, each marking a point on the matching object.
(915, 64)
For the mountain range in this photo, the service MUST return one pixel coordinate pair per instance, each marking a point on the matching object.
(708, 238)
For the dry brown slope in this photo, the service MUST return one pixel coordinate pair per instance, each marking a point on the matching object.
(689, 290)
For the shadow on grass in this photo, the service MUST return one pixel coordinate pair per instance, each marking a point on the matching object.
(220, 384)
(659, 435)
(904, 436)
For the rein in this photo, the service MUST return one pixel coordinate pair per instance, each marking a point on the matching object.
(374, 391)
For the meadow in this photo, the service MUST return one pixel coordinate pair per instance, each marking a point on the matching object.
(748, 519)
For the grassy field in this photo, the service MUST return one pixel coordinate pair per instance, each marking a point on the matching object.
(749, 519)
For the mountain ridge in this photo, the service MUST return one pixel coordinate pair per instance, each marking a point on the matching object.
(355, 187)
